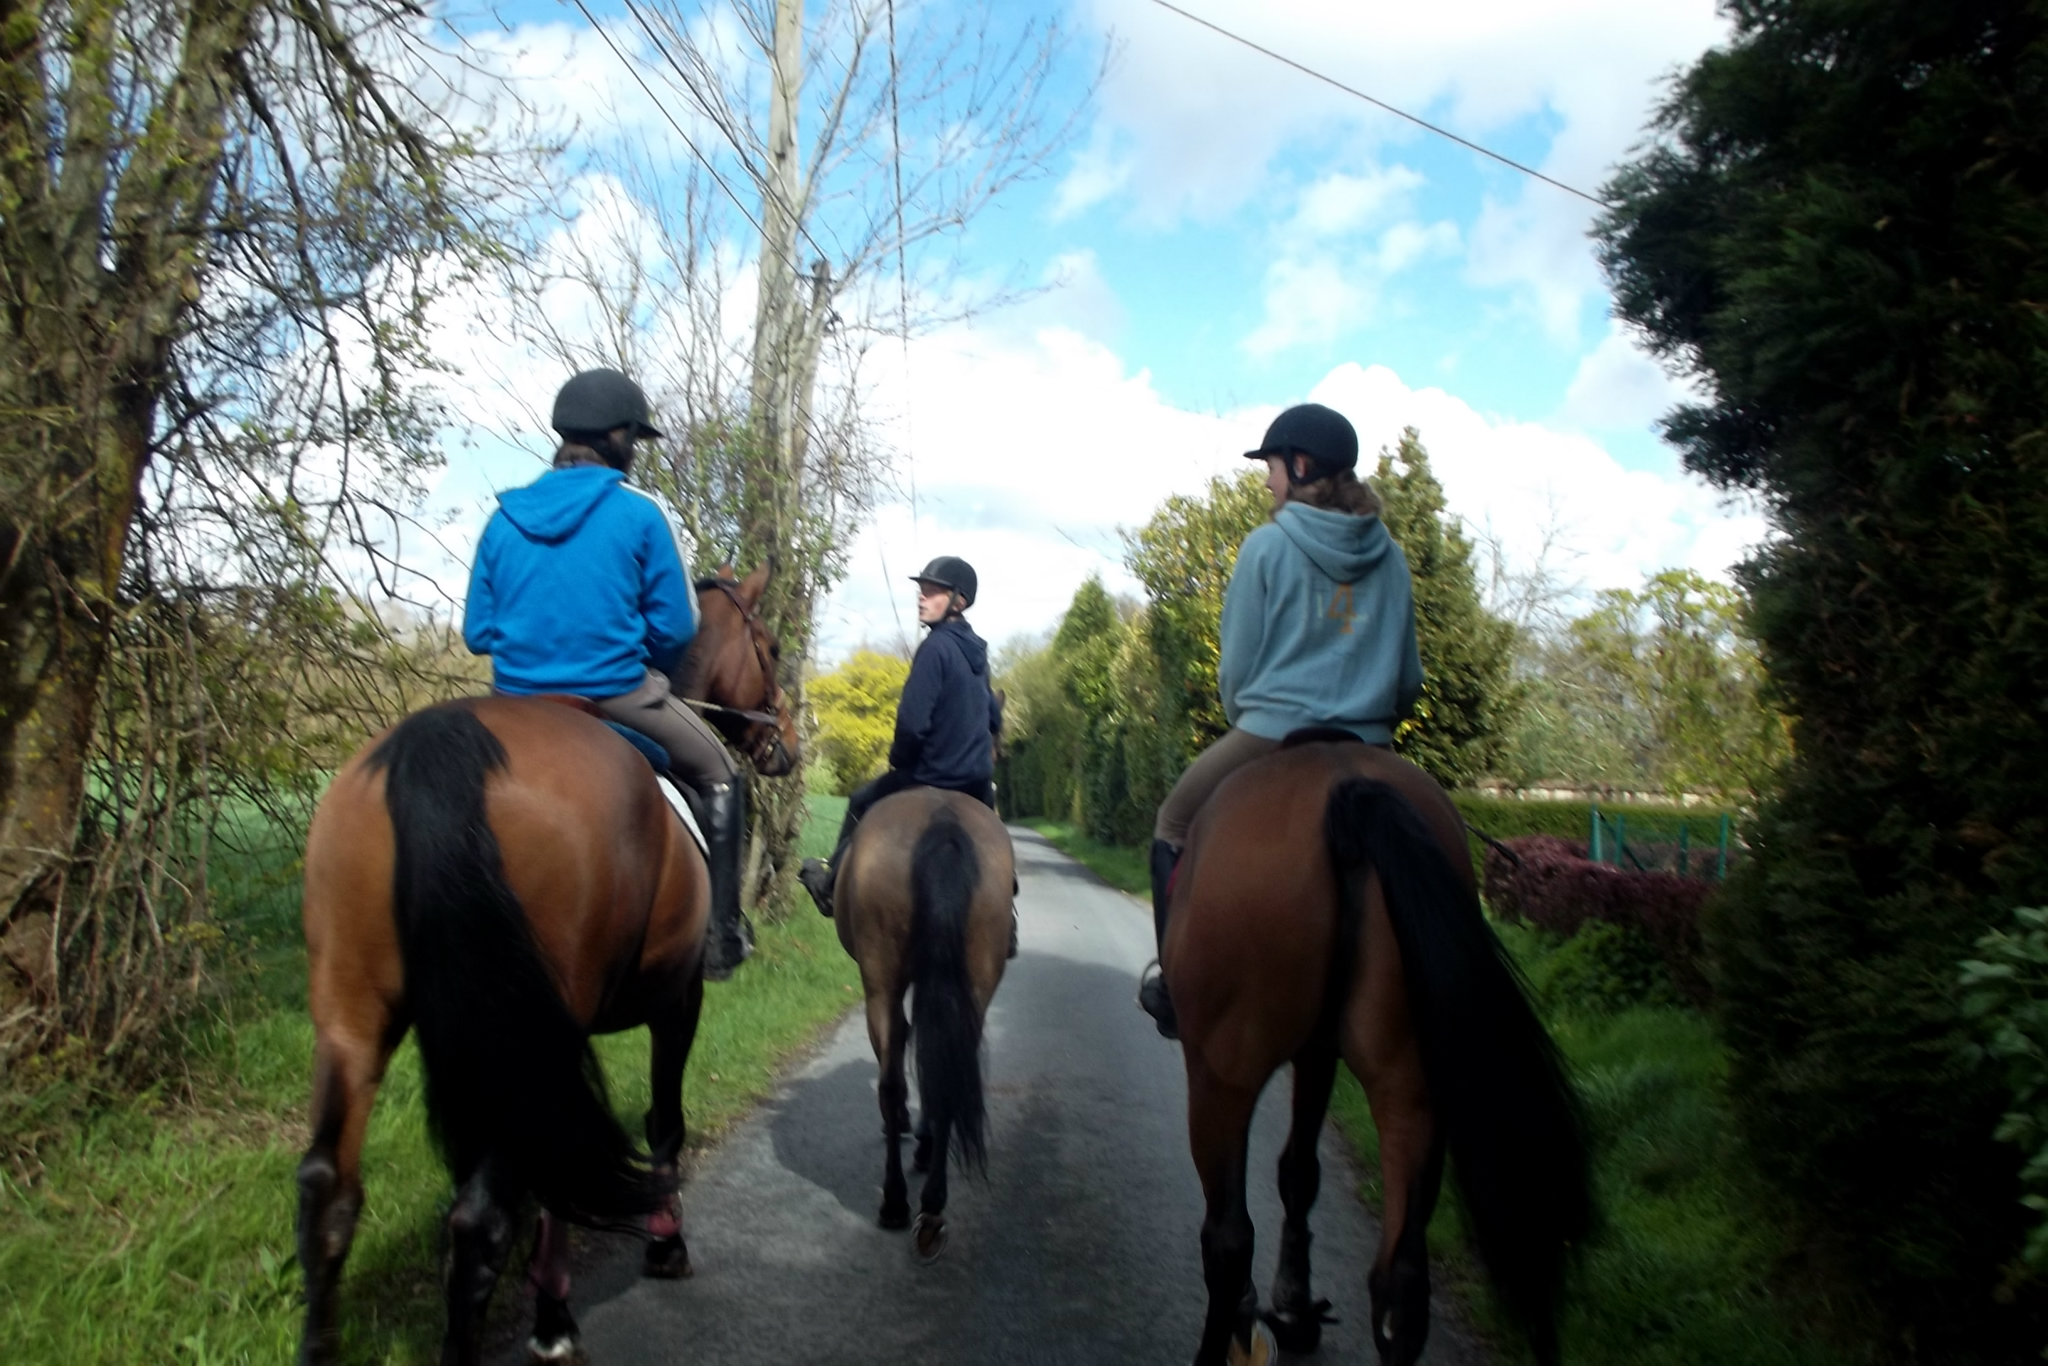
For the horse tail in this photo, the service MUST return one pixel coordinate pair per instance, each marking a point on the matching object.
(945, 1025)
(1509, 1115)
(511, 1078)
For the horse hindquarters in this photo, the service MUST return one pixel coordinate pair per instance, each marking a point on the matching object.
(1490, 1072)
(945, 1018)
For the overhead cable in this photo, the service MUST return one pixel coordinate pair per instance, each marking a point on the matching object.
(1382, 104)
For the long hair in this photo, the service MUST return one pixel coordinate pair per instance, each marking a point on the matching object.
(1340, 492)
(511, 1078)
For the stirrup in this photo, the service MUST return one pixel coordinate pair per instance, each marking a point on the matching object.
(816, 877)
(1154, 1000)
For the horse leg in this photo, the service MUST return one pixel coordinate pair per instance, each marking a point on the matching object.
(667, 1257)
(555, 1337)
(930, 1229)
(346, 1072)
(888, 1031)
(1411, 1173)
(1297, 1316)
(1219, 1126)
(480, 1238)
(921, 1156)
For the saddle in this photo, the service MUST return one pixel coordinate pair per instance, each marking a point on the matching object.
(1320, 735)
(651, 751)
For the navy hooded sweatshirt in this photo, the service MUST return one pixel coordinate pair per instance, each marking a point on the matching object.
(580, 586)
(948, 715)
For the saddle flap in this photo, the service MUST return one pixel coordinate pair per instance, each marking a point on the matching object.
(675, 800)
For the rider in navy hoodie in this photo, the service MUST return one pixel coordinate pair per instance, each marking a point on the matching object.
(945, 723)
(581, 586)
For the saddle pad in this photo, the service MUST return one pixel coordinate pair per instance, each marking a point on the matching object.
(650, 748)
(682, 808)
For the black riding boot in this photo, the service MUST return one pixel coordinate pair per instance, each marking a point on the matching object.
(1152, 986)
(722, 812)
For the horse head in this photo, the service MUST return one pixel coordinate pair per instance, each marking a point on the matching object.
(731, 670)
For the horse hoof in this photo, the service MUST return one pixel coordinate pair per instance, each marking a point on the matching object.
(894, 1216)
(562, 1351)
(1258, 1350)
(666, 1259)
(930, 1236)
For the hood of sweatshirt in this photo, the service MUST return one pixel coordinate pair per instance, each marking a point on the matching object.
(1342, 546)
(971, 645)
(554, 505)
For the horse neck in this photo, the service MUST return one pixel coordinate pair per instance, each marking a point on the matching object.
(708, 671)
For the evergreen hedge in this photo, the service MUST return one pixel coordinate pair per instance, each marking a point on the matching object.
(1840, 229)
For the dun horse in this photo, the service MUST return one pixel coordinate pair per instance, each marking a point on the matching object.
(923, 905)
(503, 876)
(1343, 865)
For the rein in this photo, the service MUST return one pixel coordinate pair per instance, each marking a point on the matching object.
(752, 620)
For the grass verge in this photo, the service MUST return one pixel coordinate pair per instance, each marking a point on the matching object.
(1118, 865)
(161, 1230)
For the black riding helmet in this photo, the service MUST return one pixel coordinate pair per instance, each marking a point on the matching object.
(599, 400)
(1322, 434)
(951, 572)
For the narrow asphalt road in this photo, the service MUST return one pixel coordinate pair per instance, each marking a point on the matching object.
(1081, 1247)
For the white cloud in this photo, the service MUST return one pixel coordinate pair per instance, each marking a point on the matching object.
(1193, 125)
(1032, 455)
(1328, 293)
(1619, 385)
(1339, 204)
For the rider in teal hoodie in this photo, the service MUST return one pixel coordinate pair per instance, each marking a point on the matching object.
(1318, 632)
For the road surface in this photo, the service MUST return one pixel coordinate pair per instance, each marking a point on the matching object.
(1080, 1248)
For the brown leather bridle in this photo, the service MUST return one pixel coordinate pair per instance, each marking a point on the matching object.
(757, 632)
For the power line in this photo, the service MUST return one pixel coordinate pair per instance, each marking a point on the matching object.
(1382, 104)
(633, 70)
(759, 183)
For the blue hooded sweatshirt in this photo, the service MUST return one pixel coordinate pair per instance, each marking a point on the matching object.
(947, 717)
(1319, 628)
(580, 586)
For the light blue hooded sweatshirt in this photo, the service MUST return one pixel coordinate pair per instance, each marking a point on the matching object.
(580, 585)
(1319, 628)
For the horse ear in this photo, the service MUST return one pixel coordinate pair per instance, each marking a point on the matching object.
(757, 583)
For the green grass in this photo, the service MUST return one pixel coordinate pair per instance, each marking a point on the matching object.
(1118, 865)
(1682, 1270)
(160, 1230)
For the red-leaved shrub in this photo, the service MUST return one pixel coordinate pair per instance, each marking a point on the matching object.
(1551, 884)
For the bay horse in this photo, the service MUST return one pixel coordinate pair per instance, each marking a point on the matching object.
(922, 904)
(1343, 865)
(503, 876)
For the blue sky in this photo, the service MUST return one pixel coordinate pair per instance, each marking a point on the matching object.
(1224, 236)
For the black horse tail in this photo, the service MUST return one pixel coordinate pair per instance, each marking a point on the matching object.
(511, 1079)
(944, 1023)
(1507, 1111)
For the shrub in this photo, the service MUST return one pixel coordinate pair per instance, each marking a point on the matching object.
(1548, 882)
(1604, 969)
(2008, 999)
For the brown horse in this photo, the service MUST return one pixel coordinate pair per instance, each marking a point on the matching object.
(503, 876)
(923, 901)
(1345, 866)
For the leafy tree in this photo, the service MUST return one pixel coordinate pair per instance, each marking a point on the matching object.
(1468, 693)
(222, 228)
(1840, 229)
(1675, 655)
(855, 707)
(1184, 556)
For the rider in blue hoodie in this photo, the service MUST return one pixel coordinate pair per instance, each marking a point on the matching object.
(581, 586)
(1318, 632)
(946, 720)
